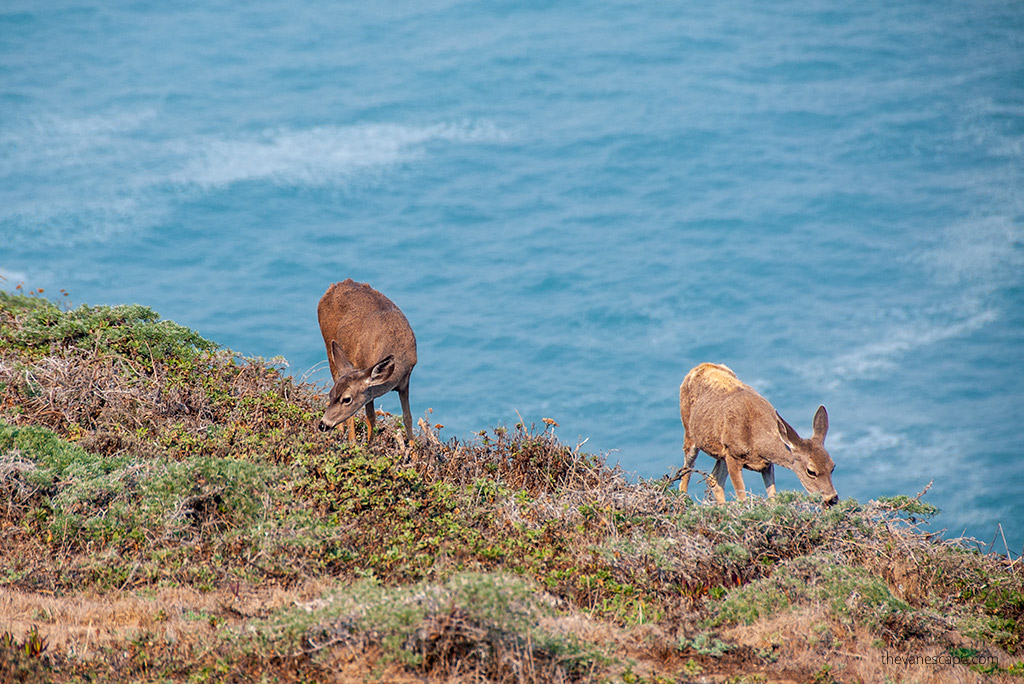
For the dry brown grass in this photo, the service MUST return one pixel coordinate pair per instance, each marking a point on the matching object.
(808, 640)
(640, 576)
(84, 625)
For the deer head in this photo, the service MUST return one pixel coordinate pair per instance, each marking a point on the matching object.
(355, 387)
(810, 461)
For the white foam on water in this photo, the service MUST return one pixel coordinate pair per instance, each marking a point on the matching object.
(968, 264)
(864, 444)
(979, 130)
(74, 181)
(875, 358)
(321, 156)
(984, 253)
(54, 135)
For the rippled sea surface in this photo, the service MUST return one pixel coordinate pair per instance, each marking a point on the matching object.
(573, 204)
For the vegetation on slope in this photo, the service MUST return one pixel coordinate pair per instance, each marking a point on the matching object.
(169, 511)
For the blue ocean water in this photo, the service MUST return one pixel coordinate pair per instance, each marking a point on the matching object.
(574, 203)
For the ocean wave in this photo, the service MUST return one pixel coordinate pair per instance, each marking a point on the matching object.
(46, 135)
(70, 180)
(87, 180)
(864, 445)
(968, 264)
(984, 253)
(321, 156)
(880, 356)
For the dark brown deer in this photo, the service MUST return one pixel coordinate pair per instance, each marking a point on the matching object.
(729, 421)
(371, 350)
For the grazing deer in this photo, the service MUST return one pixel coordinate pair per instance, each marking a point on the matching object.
(726, 419)
(371, 350)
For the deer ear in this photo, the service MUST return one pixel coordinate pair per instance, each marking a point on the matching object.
(341, 362)
(382, 370)
(820, 424)
(786, 431)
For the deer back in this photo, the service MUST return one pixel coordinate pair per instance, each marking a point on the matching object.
(367, 326)
(722, 414)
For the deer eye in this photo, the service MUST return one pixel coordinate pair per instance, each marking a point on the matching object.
(812, 473)
(346, 400)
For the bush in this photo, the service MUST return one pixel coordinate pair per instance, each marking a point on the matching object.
(851, 595)
(134, 453)
(495, 626)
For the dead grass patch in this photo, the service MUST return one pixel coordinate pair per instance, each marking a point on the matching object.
(84, 625)
(179, 492)
(808, 640)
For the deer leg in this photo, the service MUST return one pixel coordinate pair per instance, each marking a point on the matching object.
(371, 421)
(690, 457)
(768, 475)
(403, 395)
(717, 478)
(736, 475)
(351, 422)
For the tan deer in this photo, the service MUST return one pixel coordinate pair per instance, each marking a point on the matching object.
(371, 350)
(728, 420)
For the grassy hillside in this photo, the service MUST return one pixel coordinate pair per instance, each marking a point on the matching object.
(169, 512)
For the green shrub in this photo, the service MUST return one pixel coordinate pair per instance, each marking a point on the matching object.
(490, 623)
(133, 331)
(850, 594)
(911, 507)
